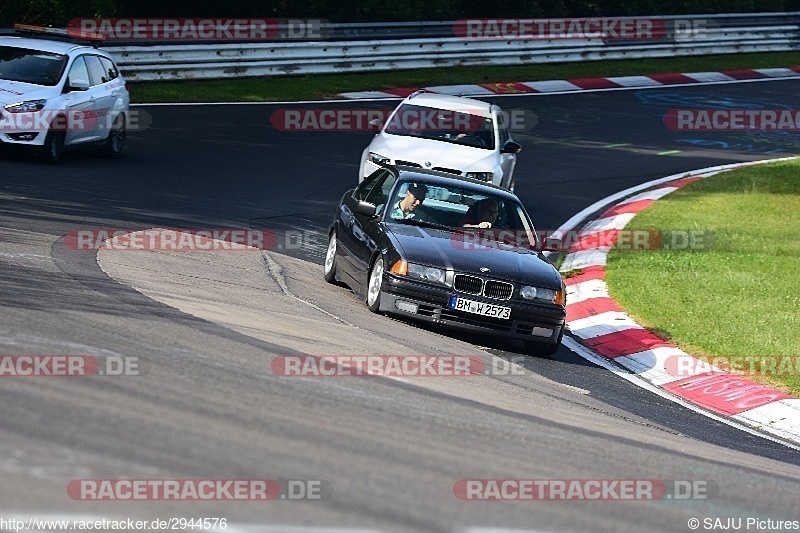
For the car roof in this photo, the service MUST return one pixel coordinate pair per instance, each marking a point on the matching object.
(450, 103)
(445, 179)
(44, 45)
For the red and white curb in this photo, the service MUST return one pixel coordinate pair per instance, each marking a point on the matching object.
(587, 84)
(602, 326)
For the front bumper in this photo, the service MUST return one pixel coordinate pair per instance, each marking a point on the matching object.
(529, 321)
(24, 129)
(22, 138)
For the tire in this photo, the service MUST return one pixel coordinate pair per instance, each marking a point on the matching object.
(541, 349)
(116, 138)
(330, 259)
(374, 286)
(53, 147)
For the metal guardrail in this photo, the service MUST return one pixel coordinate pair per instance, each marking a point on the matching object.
(370, 31)
(383, 47)
(440, 29)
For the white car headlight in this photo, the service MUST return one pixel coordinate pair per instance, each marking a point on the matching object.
(426, 273)
(26, 107)
(483, 176)
(378, 158)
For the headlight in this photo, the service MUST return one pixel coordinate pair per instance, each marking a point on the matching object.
(26, 107)
(378, 158)
(436, 275)
(483, 176)
(529, 293)
(539, 293)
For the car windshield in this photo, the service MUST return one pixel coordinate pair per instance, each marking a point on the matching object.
(475, 218)
(31, 66)
(444, 125)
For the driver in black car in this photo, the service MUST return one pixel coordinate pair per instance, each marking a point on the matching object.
(407, 207)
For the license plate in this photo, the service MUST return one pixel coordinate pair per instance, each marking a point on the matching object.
(479, 308)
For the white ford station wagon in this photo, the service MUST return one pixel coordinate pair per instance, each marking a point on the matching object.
(452, 134)
(56, 95)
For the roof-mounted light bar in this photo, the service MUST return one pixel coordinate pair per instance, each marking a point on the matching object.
(93, 38)
(418, 92)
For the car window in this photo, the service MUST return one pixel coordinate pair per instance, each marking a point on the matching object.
(97, 74)
(503, 132)
(369, 182)
(78, 71)
(456, 206)
(379, 194)
(110, 68)
(444, 125)
(31, 66)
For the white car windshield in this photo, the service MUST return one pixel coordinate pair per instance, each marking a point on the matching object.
(442, 125)
(31, 66)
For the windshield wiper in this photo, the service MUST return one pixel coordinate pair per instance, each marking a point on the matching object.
(421, 223)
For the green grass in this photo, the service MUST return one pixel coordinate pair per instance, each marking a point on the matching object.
(313, 87)
(740, 297)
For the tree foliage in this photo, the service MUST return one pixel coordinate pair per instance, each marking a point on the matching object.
(59, 12)
(53, 12)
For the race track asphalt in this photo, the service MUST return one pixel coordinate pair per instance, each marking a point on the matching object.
(207, 404)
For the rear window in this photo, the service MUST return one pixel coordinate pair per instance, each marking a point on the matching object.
(31, 66)
(111, 72)
(97, 74)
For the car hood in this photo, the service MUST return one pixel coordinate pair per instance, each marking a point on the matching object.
(437, 153)
(12, 92)
(446, 249)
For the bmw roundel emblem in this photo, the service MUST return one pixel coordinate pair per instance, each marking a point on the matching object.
(484, 269)
(428, 164)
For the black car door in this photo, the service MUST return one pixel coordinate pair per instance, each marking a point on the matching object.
(350, 236)
(367, 230)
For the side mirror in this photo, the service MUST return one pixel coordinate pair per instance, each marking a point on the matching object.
(375, 124)
(366, 208)
(78, 85)
(552, 244)
(510, 147)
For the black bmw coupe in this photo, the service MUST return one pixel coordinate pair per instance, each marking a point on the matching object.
(458, 252)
